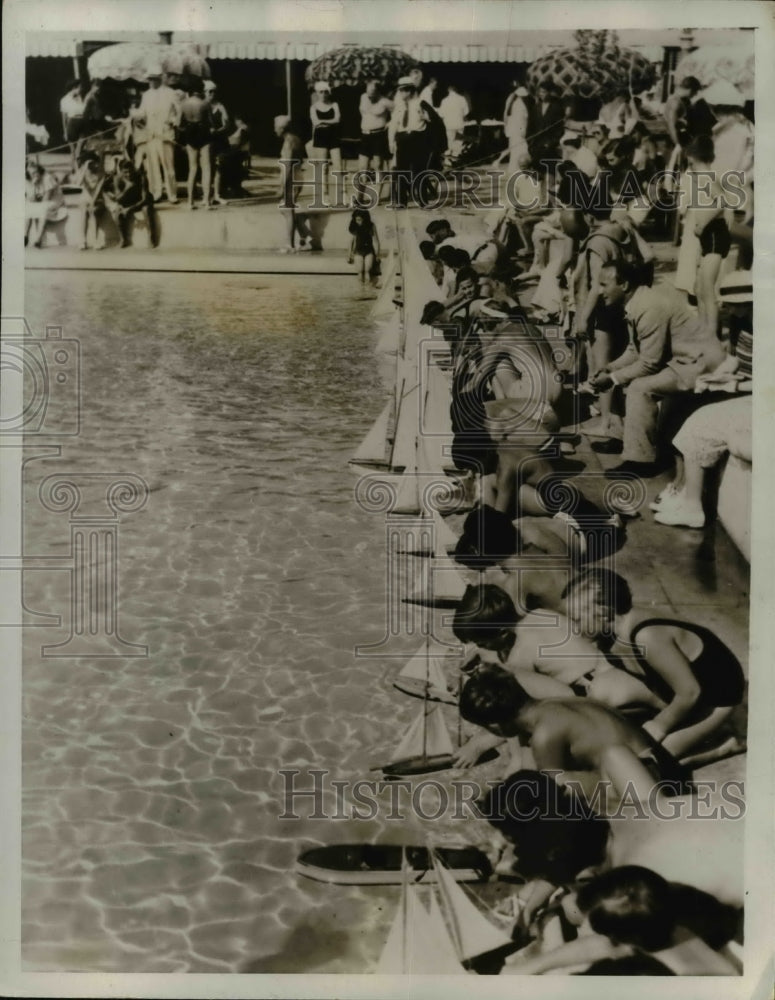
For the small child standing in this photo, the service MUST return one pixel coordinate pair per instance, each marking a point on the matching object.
(364, 245)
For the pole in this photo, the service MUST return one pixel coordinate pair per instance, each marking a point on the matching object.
(288, 87)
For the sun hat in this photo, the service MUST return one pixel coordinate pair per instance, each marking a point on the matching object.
(737, 287)
(723, 92)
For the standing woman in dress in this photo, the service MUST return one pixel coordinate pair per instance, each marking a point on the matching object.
(325, 117)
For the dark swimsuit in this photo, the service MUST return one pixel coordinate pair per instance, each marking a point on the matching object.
(715, 238)
(364, 242)
(716, 669)
(325, 135)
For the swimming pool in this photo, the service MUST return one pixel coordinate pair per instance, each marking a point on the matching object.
(151, 795)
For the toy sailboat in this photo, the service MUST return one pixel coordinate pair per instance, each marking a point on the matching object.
(443, 939)
(423, 677)
(373, 452)
(427, 745)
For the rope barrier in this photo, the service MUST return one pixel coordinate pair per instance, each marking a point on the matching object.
(67, 145)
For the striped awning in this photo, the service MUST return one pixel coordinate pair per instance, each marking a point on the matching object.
(424, 53)
(48, 46)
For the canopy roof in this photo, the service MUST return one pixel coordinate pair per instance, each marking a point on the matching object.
(517, 45)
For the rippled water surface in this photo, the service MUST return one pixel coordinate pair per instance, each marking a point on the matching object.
(152, 841)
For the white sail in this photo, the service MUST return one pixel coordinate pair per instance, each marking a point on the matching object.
(445, 957)
(443, 536)
(404, 453)
(471, 931)
(418, 943)
(423, 671)
(373, 450)
(407, 492)
(446, 585)
(389, 334)
(427, 736)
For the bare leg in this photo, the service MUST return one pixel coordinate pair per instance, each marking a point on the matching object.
(205, 161)
(694, 480)
(682, 740)
(680, 472)
(85, 229)
(321, 154)
(193, 165)
(336, 164)
(707, 304)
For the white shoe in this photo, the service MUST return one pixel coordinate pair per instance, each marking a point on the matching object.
(681, 515)
(668, 496)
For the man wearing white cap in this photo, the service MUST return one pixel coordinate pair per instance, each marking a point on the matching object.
(162, 114)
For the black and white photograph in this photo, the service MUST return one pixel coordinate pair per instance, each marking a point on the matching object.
(386, 566)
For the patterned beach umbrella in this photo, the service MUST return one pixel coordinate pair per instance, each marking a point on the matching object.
(134, 60)
(594, 69)
(354, 65)
(735, 64)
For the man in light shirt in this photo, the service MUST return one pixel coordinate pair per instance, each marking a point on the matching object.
(428, 92)
(454, 111)
(669, 347)
(162, 114)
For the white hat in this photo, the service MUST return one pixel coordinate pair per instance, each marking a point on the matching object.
(521, 91)
(153, 71)
(321, 87)
(723, 92)
(407, 81)
(209, 85)
(737, 287)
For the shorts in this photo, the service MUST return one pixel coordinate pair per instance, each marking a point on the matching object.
(194, 134)
(715, 238)
(610, 320)
(325, 137)
(375, 144)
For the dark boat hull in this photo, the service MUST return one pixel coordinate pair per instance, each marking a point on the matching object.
(380, 864)
(426, 765)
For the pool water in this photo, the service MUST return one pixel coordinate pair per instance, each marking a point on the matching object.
(152, 839)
